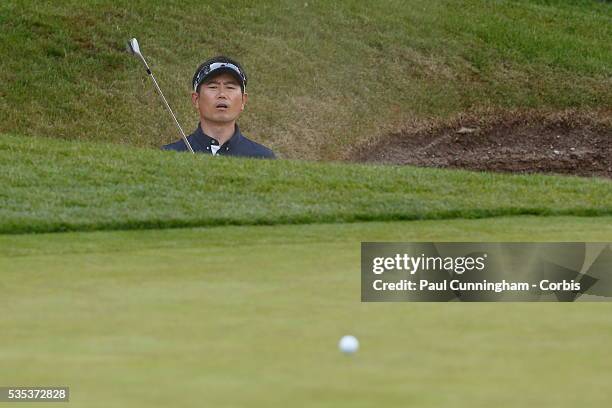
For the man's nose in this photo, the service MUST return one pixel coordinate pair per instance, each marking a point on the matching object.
(221, 91)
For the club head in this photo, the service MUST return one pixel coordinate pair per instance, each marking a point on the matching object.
(132, 47)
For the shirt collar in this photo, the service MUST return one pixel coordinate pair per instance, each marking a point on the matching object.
(204, 141)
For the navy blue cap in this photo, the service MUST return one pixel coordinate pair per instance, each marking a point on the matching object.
(217, 65)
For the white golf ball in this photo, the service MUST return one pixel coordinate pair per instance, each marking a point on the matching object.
(348, 344)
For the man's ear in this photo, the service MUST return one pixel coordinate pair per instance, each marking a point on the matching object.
(245, 98)
(194, 99)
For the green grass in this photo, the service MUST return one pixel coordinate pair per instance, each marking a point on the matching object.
(51, 185)
(324, 76)
(250, 316)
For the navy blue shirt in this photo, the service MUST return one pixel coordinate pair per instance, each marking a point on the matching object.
(238, 145)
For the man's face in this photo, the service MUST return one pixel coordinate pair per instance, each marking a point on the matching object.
(220, 99)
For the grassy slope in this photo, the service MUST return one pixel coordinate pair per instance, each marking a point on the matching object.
(181, 318)
(324, 75)
(53, 185)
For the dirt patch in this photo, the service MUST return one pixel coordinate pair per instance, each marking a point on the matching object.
(567, 142)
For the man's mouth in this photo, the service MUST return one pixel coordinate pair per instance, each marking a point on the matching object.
(222, 105)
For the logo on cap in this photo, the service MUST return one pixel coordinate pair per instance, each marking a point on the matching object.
(216, 66)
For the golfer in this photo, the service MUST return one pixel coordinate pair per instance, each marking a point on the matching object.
(219, 95)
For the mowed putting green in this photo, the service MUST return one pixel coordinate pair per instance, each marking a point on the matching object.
(251, 315)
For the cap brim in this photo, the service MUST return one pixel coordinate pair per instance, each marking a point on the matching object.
(222, 70)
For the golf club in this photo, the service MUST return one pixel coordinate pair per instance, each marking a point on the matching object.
(133, 48)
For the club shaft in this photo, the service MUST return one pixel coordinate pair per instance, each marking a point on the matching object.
(134, 48)
(170, 110)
